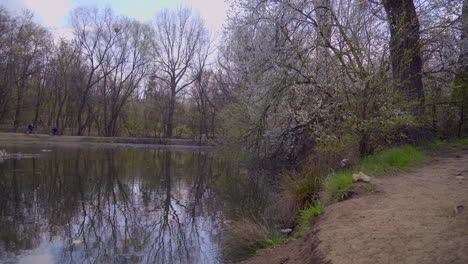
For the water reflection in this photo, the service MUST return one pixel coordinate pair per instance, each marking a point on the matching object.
(115, 205)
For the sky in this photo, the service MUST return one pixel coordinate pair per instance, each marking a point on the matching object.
(53, 14)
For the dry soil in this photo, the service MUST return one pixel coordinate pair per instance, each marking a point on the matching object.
(416, 217)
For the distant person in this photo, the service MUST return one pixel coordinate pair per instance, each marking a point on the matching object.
(30, 129)
(55, 131)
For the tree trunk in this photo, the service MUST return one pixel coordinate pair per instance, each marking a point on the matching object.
(405, 50)
(80, 112)
(405, 56)
(460, 92)
(170, 117)
(19, 102)
(37, 109)
(463, 59)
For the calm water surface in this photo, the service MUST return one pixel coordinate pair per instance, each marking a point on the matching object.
(97, 204)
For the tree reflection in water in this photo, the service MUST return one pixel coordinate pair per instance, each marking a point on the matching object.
(113, 205)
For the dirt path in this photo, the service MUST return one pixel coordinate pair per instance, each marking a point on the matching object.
(408, 218)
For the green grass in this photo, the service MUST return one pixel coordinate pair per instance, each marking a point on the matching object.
(388, 161)
(430, 146)
(307, 215)
(274, 238)
(460, 141)
(392, 160)
(433, 146)
(88, 139)
(339, 185)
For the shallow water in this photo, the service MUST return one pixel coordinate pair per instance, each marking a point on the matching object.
(96, 204)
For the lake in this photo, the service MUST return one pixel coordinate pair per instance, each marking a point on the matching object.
(104, 204)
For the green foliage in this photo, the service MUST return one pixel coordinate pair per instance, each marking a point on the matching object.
(273, 238)
(182, 130)
(461, 141)
(307, 215)
(387, 161)
(430, 145)
(392, 160)
(460, 93)
(138, 127)
(336, 145)
(339, 185)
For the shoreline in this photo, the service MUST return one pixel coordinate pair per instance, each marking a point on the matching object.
(178, 143)
(379, 216)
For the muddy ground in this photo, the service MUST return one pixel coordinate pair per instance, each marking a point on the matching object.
(415, 217)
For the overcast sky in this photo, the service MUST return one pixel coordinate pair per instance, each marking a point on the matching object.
(54, 13)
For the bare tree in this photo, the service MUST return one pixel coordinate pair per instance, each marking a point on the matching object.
(200, 91)
(127, 66)
(28, 50)
(66, 70)
(95, 34)
(178, 36)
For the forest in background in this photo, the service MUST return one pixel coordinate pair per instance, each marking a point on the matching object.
(321, 89)
(287, 77)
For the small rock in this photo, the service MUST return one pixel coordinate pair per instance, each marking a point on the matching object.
(361, 177)
(458, 209)
(460, 179)
(344, 162)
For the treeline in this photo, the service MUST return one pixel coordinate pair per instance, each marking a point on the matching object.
(289, 75)
(346, 76)
(115, 77)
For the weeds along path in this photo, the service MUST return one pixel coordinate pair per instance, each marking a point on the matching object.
(407, 218)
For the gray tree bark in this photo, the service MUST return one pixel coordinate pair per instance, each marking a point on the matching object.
(405, 52)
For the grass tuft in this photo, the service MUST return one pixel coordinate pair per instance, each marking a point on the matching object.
(307, 215)
(387, 161)
(430, 146)
(246, 237)
(460, 141)
(305, 184)
(273, 238)
(392, 160)
(339, 185)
